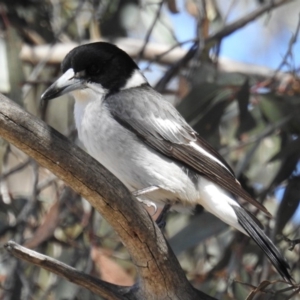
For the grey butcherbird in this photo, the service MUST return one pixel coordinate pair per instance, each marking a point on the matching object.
(143, 140)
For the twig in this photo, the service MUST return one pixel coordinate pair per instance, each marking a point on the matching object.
(16, 169)
(101, 10)
(217, 48)
(289, 52)
(229, 9)
(158, 57)
(161, 85)
(97, 286)
(146, 40)
(229, 29)
(257, 138)
(46, 182)
(35, 190)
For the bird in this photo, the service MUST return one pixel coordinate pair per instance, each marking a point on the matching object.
(145, 142)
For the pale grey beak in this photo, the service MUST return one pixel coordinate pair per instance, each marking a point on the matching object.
(64, 84)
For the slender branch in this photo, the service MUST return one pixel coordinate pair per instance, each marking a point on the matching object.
(257, 138)
(146, 40)
(97, 286)
(229, 29)
(175, 68)
(289, 52)
(16, 169)
(160, 275)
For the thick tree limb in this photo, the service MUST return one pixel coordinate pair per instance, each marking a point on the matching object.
(160, 275)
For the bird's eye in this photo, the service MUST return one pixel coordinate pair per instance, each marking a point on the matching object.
(93, 70)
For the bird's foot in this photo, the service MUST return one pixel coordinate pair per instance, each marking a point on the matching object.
(149, 204)
(144, 191)
(161, 219)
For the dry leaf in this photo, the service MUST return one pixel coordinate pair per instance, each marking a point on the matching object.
(110, 271)
(46, 230)
(192, 8)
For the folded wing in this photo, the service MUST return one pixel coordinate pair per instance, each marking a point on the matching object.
(159, 125)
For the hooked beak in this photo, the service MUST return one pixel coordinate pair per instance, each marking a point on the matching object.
(64, 84)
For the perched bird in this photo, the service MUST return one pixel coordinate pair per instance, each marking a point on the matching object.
(143, 140)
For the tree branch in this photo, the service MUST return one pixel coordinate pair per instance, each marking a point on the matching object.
(160, 275)
(97, 286)
(229, 29)
(152, 51)
(147, 37)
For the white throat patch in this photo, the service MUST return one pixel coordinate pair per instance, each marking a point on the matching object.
(137, 79)
(92, 92)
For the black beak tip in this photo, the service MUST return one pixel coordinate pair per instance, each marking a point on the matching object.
(50, 94)
(46, 96)
(43, 101)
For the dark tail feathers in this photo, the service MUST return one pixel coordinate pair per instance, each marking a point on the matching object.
(261, 239)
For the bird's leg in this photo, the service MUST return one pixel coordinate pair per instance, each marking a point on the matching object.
(144, 191)
(161, 219)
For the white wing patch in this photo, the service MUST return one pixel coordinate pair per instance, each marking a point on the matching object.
(167, 126)
(200, 149)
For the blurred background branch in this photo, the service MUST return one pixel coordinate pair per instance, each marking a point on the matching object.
(99, 287)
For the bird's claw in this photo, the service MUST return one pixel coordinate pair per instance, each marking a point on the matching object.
(149, 204)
